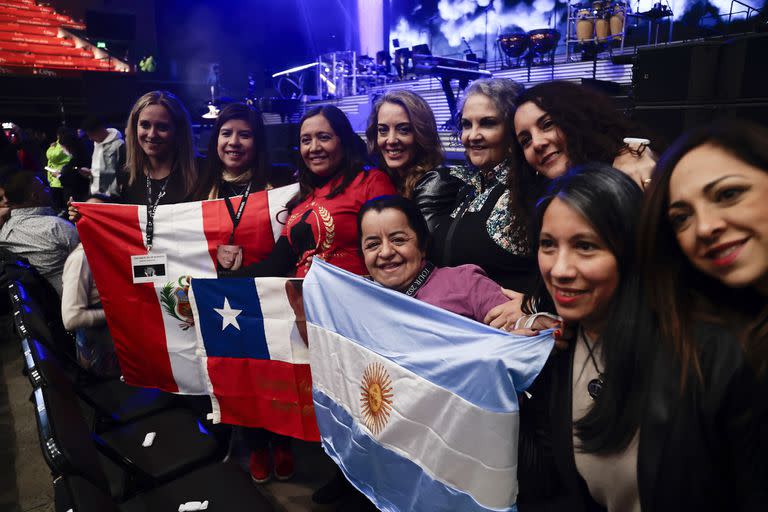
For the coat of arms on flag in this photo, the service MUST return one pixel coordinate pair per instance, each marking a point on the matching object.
(154, 325)
(418, 406)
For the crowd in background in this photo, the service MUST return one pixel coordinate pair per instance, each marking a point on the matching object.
(650, 263)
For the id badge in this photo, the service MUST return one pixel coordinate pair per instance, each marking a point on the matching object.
(148, 268)
(229, 257)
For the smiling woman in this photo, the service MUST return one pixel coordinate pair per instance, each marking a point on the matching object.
(393, 241)
(334, 183)
(402, 133)
(705, 234)
(159, 152)
(487, 224)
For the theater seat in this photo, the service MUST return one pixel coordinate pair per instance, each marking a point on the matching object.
(181, 444)
(71, 453)
(112, 400)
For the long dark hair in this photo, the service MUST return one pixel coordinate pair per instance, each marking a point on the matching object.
(610, 201)
(594, 131)
(260, 166)
(679, 293)
(353, 162)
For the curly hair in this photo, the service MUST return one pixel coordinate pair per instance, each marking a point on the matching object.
(429, 150)
(184, 154)
(593, 130)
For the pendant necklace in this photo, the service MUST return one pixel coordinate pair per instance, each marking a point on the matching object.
(594, 386)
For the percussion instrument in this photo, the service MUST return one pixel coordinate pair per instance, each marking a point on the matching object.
(585, 24)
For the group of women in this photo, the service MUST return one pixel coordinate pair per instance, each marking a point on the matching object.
(656, 280)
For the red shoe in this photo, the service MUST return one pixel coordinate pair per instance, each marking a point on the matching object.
(259, 466)
(282, 456)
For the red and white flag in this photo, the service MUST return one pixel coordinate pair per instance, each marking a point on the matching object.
(152, 323)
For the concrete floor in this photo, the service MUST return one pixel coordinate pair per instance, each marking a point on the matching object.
(26, 483)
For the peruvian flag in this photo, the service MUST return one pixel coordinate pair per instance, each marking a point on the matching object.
(152, 324)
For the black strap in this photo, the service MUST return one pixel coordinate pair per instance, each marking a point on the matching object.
(417, 283)
(151, 208)
(237, 216)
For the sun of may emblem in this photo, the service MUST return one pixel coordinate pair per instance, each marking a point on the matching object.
(376, 397)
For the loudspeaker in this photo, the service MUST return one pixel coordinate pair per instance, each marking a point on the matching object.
(742, 73)
(676, 73)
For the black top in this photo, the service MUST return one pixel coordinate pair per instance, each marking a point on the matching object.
(136, 193)
(464, 239)
(700, 450)
(435, 195)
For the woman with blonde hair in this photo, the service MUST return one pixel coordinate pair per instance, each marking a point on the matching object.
(402, 133)
(160, 159)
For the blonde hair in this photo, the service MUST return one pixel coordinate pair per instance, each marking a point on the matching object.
(429, 150)
(184, 153)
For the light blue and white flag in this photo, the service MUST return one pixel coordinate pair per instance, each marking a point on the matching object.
(417, 405)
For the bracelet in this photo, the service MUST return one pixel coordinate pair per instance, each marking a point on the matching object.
(529, 320)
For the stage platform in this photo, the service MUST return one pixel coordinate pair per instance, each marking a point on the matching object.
(358, 107)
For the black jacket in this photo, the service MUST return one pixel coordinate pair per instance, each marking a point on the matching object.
(698, 450)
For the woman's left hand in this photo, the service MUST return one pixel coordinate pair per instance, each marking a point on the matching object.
(505, 315)
(639, 167)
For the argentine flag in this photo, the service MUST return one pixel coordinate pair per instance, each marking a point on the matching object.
(417, 405)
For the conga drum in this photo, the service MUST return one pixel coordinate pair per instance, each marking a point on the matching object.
(585, 24)
(617, 19)
(601, 10)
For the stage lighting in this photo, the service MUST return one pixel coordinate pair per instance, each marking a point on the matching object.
(483, 3)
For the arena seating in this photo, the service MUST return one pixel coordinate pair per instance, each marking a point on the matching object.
(37, 36)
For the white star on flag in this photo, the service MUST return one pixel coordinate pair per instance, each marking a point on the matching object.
(228, 315)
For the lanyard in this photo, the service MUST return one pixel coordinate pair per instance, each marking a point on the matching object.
(237, 216)
(151, 208)
(417, 283)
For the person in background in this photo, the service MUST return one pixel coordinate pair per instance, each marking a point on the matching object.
(402, 133)
(107, 159)
(74, 185)
(82, 313)
(393, 241)
(32, 229)
(57, 157)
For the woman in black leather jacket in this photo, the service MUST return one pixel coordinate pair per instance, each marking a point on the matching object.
(402, 133)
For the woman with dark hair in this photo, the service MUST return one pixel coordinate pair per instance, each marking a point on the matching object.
(705, 235)
(334, 182)
(627, 429)
(562, 124)
(393, 238)
(402, 133)
(237, 157)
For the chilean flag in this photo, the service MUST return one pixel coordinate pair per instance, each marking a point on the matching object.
(152, 323)
(253, 335)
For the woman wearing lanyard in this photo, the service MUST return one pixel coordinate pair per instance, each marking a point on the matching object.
(334, 184)
(160, 157)
(237, 166)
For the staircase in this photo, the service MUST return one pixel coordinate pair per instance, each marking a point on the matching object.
(36, 36)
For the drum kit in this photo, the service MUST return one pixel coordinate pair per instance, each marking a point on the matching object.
(534, 47)
(601, 21)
